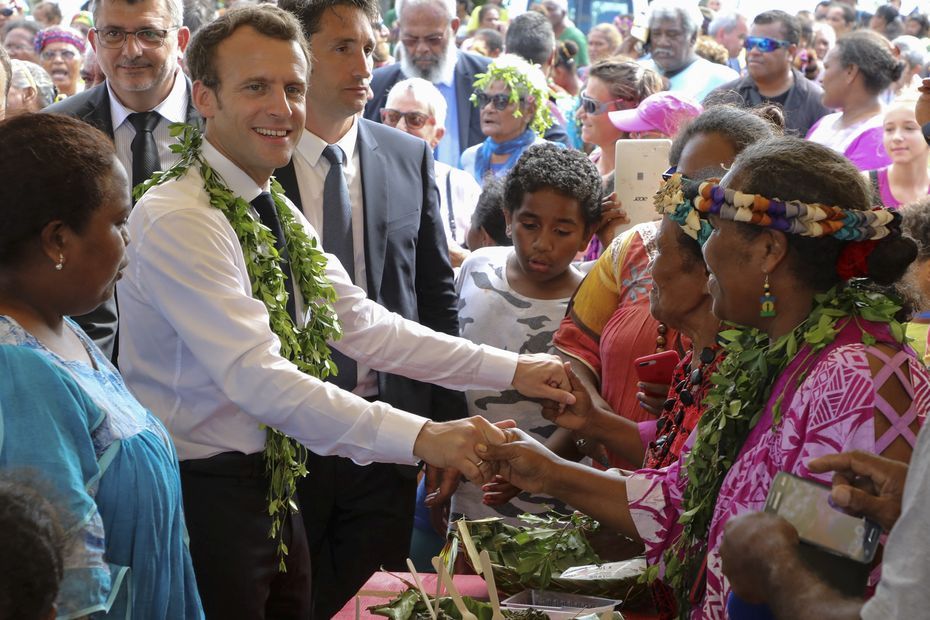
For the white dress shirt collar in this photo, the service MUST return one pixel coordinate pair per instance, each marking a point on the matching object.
(311, 145)
(238, 182)
(173, 108)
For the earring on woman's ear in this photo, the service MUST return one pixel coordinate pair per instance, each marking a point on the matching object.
(507, 230)
(61, 262)
(767, 301)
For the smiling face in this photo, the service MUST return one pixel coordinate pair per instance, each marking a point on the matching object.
(672, 46)
(256, 113)
(342, 50)
(730, 257)
(679, 277)
(141, 78)
(62, 61)
(597, 128)
(502, 125)
(548, 230)
(406, 102)
(821, 45)
(902, 136)
(768, 66)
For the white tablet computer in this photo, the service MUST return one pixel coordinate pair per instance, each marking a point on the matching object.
(638, 176)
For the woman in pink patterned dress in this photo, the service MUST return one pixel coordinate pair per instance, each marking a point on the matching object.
(849, 383)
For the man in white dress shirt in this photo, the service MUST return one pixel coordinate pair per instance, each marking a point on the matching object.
(198, 350)
(137, 44)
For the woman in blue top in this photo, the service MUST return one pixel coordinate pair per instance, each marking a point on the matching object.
(65, 413)
(512, 99)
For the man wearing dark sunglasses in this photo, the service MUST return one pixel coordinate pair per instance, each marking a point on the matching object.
(771, 78)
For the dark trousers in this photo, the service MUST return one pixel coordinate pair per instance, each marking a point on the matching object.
(358, 519)
(236, 564)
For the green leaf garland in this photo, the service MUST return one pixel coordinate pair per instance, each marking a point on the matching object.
(741, 388)
(306, 347)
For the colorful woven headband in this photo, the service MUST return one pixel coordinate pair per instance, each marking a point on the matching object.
(794, 217)
(675, 199)
(57, 34)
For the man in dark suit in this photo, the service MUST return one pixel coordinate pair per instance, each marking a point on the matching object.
(359, 518)
(427, 50)
(137, 45)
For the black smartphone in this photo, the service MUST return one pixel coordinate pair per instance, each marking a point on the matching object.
(806, 505)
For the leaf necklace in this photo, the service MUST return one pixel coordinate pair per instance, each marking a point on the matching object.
(741, 388)
(306, 347)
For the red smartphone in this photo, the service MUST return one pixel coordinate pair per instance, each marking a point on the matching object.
(657, 368)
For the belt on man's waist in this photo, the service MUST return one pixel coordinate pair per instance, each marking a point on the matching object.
(227, 464)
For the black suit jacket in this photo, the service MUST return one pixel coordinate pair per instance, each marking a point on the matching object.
(466, 68)
(406, 256)
(93, 107)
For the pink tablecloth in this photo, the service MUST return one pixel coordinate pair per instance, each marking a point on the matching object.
(382, 587)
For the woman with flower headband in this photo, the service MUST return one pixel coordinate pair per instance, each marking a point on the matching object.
(822, 369)
(511, 97)
(609, 323)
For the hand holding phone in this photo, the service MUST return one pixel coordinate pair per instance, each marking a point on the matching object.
(806, 505)
(657, 368)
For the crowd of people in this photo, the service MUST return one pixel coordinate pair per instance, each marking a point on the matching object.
(301, 283)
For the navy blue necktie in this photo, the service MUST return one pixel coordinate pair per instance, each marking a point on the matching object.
(337, 240)
(264, 205)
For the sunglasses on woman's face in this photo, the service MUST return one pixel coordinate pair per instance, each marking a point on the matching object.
(413, 120)
(500, 100)
(593, 107)
(764, 44)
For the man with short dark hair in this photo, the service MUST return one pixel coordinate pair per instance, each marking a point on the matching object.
(842, 17)
(137, 45)
(770, 76)
(565, 30)
(427, 50)
(226, 309)
(360, 518)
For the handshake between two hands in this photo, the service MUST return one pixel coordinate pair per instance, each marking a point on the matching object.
(485, 452)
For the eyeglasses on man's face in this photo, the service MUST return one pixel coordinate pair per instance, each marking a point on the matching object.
(147, 38)
(500, 100)
(432, 41)
(413, 120)
(764, 44)
(593, 107)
